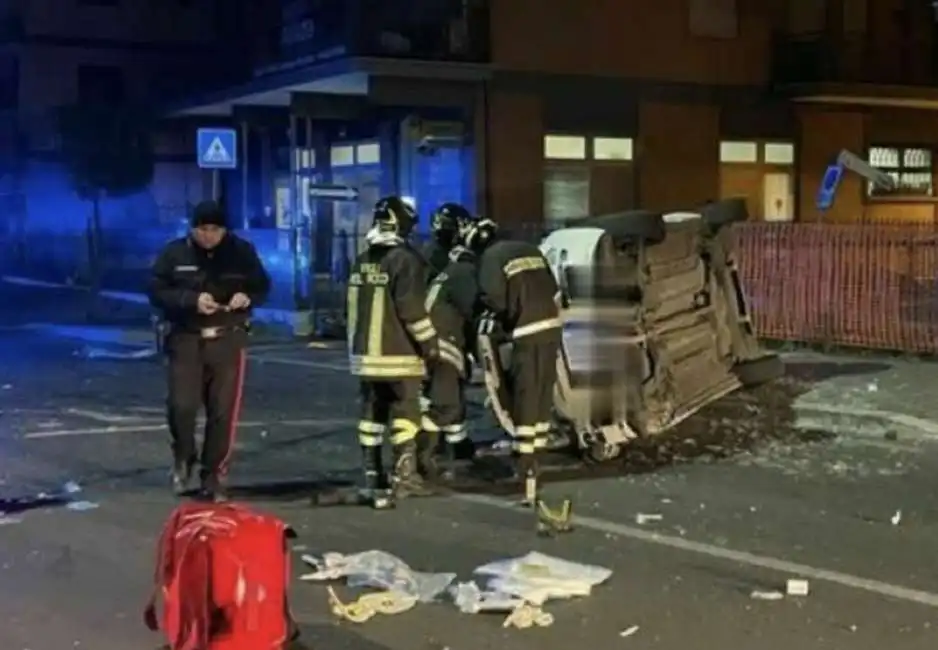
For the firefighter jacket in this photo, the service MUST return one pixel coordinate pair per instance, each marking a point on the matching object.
(183, 270)
(436, 256)
(389, 331)
(451, 303)
(517, 285)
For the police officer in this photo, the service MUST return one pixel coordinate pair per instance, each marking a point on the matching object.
(205, 285)
(451, 302)
(391, 343)
(519, 293)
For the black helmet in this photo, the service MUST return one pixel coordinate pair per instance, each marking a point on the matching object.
(448, 221)
(393, 215)
(479, 235)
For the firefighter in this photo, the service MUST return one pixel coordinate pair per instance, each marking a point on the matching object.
(444, 228)
(391, 343)
(205, 285)
(518, 292)
(451, 301)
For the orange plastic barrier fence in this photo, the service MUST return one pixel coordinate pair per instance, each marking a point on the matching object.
(871, 286)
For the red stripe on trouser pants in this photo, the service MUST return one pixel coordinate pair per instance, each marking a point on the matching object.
(235, 413)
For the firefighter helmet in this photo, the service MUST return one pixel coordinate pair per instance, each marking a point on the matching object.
(448, 221)
(393, 215)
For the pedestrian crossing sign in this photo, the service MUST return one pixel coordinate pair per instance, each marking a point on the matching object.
(217, 148)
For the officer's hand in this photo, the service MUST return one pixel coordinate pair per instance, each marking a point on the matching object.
(207, 304)
(239, 301)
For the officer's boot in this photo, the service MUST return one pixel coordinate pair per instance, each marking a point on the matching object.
(214, 487)
(405, 480)
(374, 483)
(181, 476)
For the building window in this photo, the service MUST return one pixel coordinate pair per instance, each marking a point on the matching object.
(564, 147)
(101, 84)
(910, 167)
(342, 156)
(778, 153)
(713, 18)
(368, 154)
(613, 149)
(739, 151)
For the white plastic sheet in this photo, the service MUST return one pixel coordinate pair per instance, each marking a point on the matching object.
(378, 570)
(534, 578)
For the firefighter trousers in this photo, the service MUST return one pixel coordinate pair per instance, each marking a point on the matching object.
(446, 408)
(389, 409)
(205, 373)
(531, 378)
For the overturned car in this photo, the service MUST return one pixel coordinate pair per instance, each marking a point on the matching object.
(656, 326)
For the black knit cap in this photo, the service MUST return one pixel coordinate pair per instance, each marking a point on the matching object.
(209, 213)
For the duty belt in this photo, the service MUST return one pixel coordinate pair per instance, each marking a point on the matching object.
(211, 333)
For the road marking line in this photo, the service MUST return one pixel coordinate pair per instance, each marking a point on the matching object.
(321, 365)
(146, 428)
(102, 416)
(928, 428)
(718, 552)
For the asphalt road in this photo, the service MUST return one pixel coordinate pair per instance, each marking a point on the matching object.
(743, 511)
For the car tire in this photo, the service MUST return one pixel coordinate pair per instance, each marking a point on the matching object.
(759, 371)
(725, 212)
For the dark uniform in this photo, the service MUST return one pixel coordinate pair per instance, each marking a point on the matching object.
(391, 339)
(451, 297)
(206, 352)
(518, 288)
(451, 302)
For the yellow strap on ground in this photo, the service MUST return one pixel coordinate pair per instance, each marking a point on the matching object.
(367, 606)
(526, 616)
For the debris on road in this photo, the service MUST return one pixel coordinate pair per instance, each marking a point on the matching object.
(629, 631)
(767, 595)
(519, 586)
(81, 506)
(378, 570)
(896, 518)
(796, 587)
(642, 518)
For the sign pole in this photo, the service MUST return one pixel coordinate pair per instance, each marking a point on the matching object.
(216, 184)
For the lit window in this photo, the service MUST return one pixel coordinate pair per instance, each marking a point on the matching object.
(909, 167)
(736, 151)
(612, 149)
(779, 153)
(342, 156)
(564, 147)
(368, 154)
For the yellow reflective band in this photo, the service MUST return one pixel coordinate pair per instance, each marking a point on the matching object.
(403, 431)
(428, 424)
(387, 366)
(375, 343)
(368, 426)
(536, 327)
(351, 317)
(542, 427)
(432, 295)
(540, 442)
(453, 355)
(525, 447)
(533, 263)
(422, 330)
(455, 433)
(369, 440)
(525, 432)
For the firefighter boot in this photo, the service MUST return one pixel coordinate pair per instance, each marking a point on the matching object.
(427, 465)
(405, 480)
(374, 490)
(528, 472)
